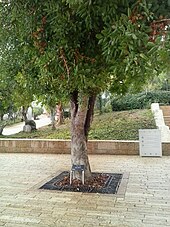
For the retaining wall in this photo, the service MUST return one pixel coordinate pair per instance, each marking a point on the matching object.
(113, 147)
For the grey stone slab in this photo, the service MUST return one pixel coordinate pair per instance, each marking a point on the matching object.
(145, 200)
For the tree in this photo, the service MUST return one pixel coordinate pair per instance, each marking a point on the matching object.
(50, 102)
(82, 47)
(50, 97)
(18, 88)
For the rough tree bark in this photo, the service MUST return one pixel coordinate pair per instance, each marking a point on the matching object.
(2, 126)
(59, 111)
(52, 116)
(24, 113)
(81, 117)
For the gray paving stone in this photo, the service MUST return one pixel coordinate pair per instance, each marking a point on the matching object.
(146, 202)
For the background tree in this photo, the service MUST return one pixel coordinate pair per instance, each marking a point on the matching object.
(82, 47)
(50, 103)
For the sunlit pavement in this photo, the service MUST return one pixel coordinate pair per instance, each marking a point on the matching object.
(9, 130)
(146, 202)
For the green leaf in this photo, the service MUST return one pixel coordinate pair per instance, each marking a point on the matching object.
(143, 56)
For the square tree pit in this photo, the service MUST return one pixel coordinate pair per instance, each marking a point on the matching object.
(105, 183)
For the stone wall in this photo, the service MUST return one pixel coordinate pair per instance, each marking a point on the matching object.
(160, 120)
(114, 147)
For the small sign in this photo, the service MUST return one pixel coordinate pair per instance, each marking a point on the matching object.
(78, 167)
(150, 142)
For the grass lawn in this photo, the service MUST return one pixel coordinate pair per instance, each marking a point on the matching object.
(122, 125)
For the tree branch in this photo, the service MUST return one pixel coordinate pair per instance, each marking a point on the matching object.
(89, 115)
(162, 20)
(74, 103)
(65, 61)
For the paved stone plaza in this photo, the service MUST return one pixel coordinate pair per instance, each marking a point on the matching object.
(146, 202)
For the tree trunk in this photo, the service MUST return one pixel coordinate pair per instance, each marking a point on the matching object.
(81, 117)
(24, 113)
(100, 104)
(1, 116)
(2, 128)
(52, 115)
(59, 111)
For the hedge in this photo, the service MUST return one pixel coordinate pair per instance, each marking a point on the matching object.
(140, 100)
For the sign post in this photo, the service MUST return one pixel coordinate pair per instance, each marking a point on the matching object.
(79, 168)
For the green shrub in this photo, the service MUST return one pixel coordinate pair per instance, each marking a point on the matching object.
(140, 100)
(37, 111)
(107, 108)
(66, 113)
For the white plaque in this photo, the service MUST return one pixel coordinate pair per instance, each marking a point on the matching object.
(150, 142)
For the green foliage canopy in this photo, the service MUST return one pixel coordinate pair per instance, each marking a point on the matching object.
(141, 100)
(87, 45)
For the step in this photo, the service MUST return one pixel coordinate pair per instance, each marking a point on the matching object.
(165, 110)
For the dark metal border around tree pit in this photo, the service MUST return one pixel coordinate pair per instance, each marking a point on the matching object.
(112, 182)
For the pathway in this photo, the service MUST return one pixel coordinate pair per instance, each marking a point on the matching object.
(146, 202)
(9, 130)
